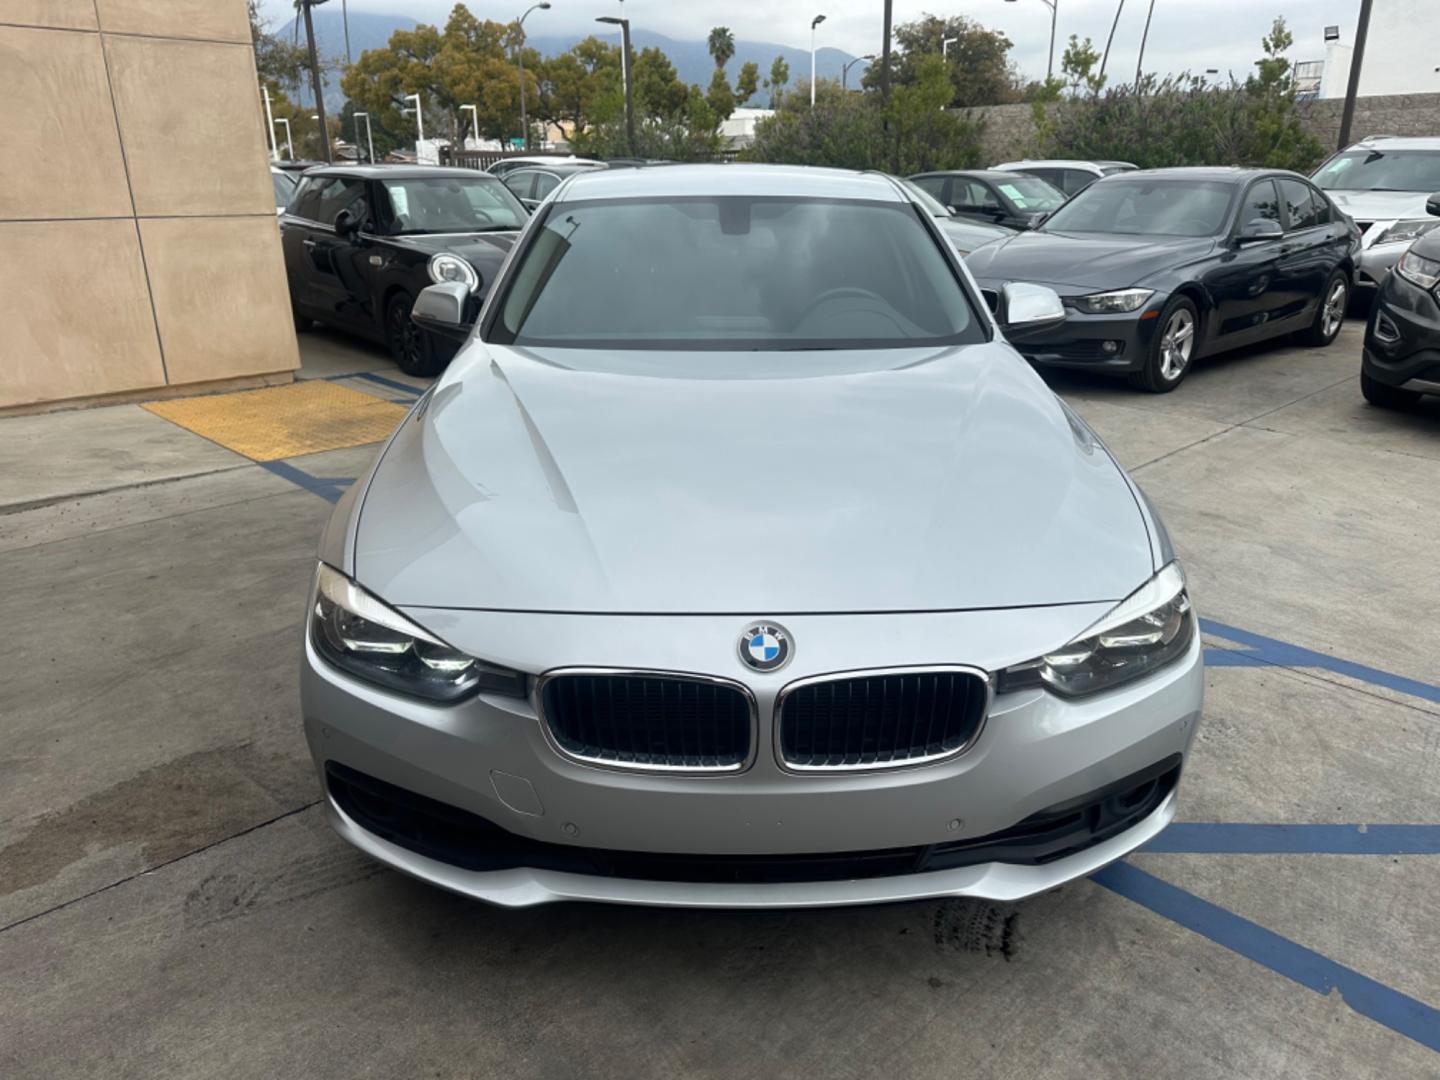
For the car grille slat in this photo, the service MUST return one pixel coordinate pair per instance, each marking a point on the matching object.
(649, 720)
(879, 719)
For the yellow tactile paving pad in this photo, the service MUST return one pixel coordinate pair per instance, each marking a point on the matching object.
(285, 421)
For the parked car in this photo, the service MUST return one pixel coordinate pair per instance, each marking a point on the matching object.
(284, 184)
(362, 241)
(1383, 183)
(1402, 340)
(965, 233)
(532, 184)
(999, 198)
(1068, 176)
(1159, 267)
(745, 566)
(510, 164)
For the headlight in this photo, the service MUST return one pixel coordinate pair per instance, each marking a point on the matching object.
(1146, 631)
(446, 267)
(358, 634)
(1106, 303)
(1405, 231)
(1422, 271)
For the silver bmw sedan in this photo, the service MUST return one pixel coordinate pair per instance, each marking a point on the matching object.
(738, 561)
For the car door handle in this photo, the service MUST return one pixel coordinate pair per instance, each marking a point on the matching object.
(308, 242)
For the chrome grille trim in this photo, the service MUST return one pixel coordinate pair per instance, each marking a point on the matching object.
(864, 673)
(538, 702)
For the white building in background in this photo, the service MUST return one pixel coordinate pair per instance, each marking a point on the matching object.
(738, 131)
(1402, 54)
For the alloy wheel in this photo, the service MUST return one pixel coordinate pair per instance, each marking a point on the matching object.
(1177, 341)
(1334, 313)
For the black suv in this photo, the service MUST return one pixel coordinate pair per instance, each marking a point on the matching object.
(1402, 339)
(362, 241)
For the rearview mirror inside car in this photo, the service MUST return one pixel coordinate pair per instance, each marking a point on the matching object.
(441, 309)
(1023, 306)
(1259, 230)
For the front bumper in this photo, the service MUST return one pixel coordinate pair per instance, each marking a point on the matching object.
(1373, 264)
(1402, 337)
(1117, 343)
(489, 757)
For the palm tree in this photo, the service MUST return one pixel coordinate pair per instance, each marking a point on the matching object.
(722, 45)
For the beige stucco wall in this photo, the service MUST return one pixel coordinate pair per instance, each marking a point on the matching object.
(136, 215)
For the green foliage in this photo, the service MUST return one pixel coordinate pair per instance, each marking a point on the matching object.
(689, 134)
(775, 84)
(977, 63)
(719, 96)
(848, 130)
(1078, 66)
(721, 44)
(1184, 120)
(747, 83)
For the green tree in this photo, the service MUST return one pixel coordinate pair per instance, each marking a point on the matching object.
(779, 76)
(657, 89)
(279, 64)
(977, 61)
(721, 44)
(1077, 64)
(719, 96)
(689, 134)
(748, 82)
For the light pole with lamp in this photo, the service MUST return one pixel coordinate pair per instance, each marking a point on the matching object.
(369, 135)
(1050, 64)
(270, 124)
(624, 25)
(419, 119)
(289, 146)
(544, 5)
(474, 122)
(1143, 38)
(813, 24)
(845, 71)
(945, 44)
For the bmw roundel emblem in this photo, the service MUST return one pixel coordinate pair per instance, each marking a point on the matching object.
(765, 647)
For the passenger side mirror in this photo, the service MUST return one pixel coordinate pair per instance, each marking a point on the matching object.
(441, 309)
(1432, 204)
(1260, 230)
(1024, 306)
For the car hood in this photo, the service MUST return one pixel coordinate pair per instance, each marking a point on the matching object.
(704, 482)
(1381, 205)
(969, 235)
(480, 249)
(1083, 262)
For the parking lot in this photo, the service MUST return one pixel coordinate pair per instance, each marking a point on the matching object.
(173, 902)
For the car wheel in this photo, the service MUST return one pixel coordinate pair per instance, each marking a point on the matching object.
(1387, 397)
(1172, 349)
(1333, 304)
(410, 346)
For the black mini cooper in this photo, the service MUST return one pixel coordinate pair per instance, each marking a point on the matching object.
(362, 241)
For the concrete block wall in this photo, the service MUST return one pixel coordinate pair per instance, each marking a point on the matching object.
(137, 219)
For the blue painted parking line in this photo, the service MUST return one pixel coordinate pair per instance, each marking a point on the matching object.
(1266, 650)
(1245, 838)
(329, 488)
(1399, 1012)
(393, 384)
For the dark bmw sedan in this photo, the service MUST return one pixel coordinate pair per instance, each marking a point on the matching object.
(1402, 340)
(1013, 200)
(1158, 268)
(361, 242)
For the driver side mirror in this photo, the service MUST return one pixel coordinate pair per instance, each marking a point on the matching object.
(1260, 230)
(441, 309)
(1432, 204)
(1024, 307)
(346, 223)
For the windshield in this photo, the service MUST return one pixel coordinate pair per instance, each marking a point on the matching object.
(931, 204)
(737, 273)
(284, 186)
(450, 204)
(1372, 170)
(1134, 207)
(1030, 193)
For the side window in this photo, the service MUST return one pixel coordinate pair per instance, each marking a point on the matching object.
(1261, 202)
(1300, 209)
(1050, 176)
(520, 182)
(544, 184)
(973, 195)
(1324, 215)
(306, 202)
(338, 193)
(1076, 180)
(932, 185)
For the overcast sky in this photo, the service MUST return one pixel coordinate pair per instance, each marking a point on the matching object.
(1185, 34)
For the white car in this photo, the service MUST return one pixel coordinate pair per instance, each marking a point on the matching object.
(528, 161)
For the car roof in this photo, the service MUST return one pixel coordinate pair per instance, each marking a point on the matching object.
(675, 181)
(395, 172)
(1234, 174)
(558, 168)
(1052, 163)
(979, 174)
(1397, 142)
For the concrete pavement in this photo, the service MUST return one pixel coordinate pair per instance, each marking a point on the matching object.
(172, 903)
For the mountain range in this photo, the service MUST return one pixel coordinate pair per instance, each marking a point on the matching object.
(692, 59)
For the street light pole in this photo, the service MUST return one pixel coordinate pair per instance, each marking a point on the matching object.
(369, 135)
(270, 124)
(474, 123)
(419, 117)
(845, 71)
(1143, 38)
(1054, 12)
(624, 25)
(1352, 88)
(813, 24)
(544, 5)
(1105, 57)
(945, 44)
(289, 146)
(319, 86)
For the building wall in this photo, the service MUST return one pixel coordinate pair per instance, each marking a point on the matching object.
(1402, 52)
(137, 218)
